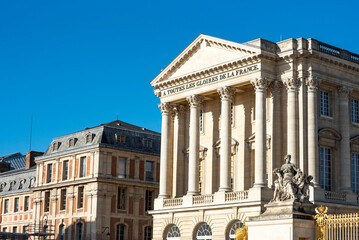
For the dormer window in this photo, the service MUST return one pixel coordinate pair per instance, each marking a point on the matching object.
(89, 138)
(120, 138)
(147, 143)
(12, 184)
(72, 142)
(55, 146)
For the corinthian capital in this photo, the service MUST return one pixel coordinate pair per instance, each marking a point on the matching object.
(166, 107)
(344, 91)
(276, 87)
(292, 84)
(312, 82)
(179, 110)
(259, 83)
(195, 100)
(226, 93)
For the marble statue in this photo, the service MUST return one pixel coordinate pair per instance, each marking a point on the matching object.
(291, 183)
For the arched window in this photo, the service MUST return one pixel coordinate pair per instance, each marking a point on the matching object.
(173, 233)
(120, 232)
(232, 230)
(79, 231)
(204, 232)
(61, 235)
(148, 233)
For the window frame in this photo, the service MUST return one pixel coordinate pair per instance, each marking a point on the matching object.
(80, 197)
(6, 206)
(83, 167)
(121, 198)
(325, 107)
(63, 199)
(49, 173)
(16, 204)
(26, 203)
(355, 172)
(326, 167)
(121, 173)
(47, 201)
(150, 174)
(65, 169)
(354, 108)
(149, 200)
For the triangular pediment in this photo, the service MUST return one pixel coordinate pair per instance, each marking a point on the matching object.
(203, 53)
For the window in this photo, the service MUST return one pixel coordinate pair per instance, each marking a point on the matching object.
(173, 233)
(61, 232)
(147, 143)
(4, 229)
(355, 172)
(326, 168)
(6, 206)
(12, 184)
(232, 172)
(80, 200)
(26, 203)
(121, 167)
(55, 146)
(49, 173)
(204, 232)
(201, 121)
(63, 199)
(120, 138)
(148, 233)
(355, 111)
(232, 114)
(200, 175)
(120, 232)
(16, 204)
(2, 186)
(324, 103)
(83, 167)
(121, 198)
(47, 202)
(14, 229)
(21, 183)
(25, 229)
(71, 142)
(149, 171)
(149, 200)
(65, 170)
(89, 138)
(232, 230)
(79, 231)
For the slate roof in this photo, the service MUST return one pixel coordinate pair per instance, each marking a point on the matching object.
(16, 181)
(16, 160)
(105, 135)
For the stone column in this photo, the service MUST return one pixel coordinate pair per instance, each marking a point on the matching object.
(344, 126)
(178, 147)
(313, 153)
(165, 157)
(292, 85)
(193, 155)
(260, 131)
(226, 94)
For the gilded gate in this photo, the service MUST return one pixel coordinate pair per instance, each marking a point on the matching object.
(336, 227)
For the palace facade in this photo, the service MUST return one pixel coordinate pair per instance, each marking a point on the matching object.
(231, 112)
(98, 183)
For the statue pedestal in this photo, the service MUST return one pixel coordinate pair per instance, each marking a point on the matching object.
(286, 220)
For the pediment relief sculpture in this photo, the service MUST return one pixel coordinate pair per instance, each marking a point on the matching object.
(291, 184)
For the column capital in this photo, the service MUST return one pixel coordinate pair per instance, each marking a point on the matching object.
(259, 83)
(276, 87)
(226, 93)
(195, 100)
(179, 110)
(292, 84)
(312, 82)
(344, 91)
(165, 107)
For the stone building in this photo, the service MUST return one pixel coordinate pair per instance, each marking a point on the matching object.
(97, 183)
(238, 110)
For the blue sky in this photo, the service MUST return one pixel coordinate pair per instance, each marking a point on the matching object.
(76, 64)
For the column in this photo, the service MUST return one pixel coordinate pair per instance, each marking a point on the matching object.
(313, 153)
(344, 126)
(226, 94)
(178, 147)
(195, 102)
(165, 150)
(260, 131)
(292, 85)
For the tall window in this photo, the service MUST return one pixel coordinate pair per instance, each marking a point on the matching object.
(61, 232)
(232, 172)
(232, 114)
(120, 138)
(121, 167)
(80, 200)
(149, 171)
(326, 168)
(201, 121)
(65, 170)
(49, 173)
(147, 143)
(120, 232)
(232, 230)
(63, 199)
(79, 231)
(6, 206)
(148, 233)
(14, 229)
(47, 202)
(83, 167)
(16, 205)
(324, 103)
(25, 229)
(149, 200)
(204, 232)
(200, 175)
(121, 198)
(355, 172)
(26, 203)
(173, 233)
(355, 111)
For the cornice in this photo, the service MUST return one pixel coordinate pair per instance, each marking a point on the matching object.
(335, 60)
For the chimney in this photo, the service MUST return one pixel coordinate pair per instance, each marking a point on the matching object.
(30, 158)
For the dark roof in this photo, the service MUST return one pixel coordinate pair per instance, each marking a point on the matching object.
(16, 160)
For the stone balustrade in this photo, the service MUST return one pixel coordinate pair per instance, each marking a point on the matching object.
(172, 202)
(203, 199)
(335, 196)
(236, 196)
